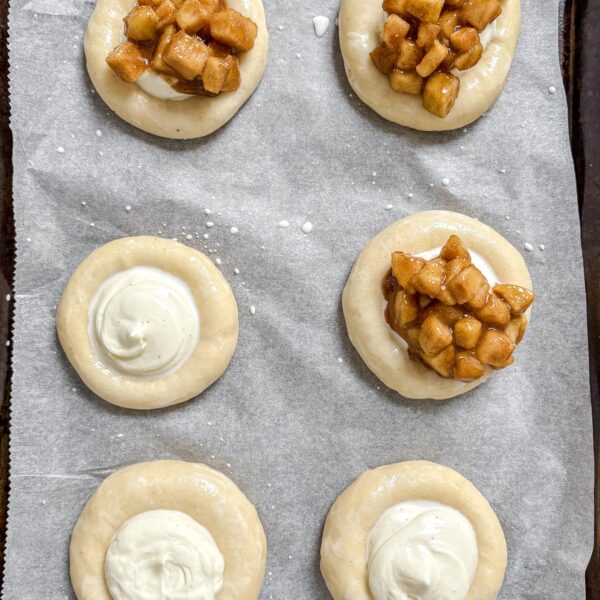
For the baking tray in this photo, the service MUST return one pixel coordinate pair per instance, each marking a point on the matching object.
(580, 59)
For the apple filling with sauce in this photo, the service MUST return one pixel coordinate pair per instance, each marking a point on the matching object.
(191, 44)
(424, 40)
(449, 315)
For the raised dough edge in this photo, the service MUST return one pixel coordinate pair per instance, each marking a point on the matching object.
(185, 119)
(205, 494)
(356, 510)
(362, 297)
(360, 21)
(216, 306)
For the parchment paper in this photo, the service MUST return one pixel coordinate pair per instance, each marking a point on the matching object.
(297, 416)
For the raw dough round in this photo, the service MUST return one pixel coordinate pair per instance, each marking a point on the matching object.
(193, 118)
(363, 301)
(217, 313)
(360, 25)
(204, 494)
(357, 509)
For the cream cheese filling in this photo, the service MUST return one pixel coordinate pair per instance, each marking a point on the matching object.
(143, 322)
(421, 550)
(155, 85)
(163, 555)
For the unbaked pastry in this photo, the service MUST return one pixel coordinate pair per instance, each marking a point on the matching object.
(374, 543)
(361, 22)
(380, 347)
(230, 535)
(147, 322)
(194, 117)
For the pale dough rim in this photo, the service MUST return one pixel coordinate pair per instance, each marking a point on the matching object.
(185, 119)
(206, 495)
(214, 299)
(362, 297)
(356, 510)
(360, 23)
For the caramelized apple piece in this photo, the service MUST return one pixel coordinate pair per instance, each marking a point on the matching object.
(187, 54)
(443, 362)
(440, 92)
(141, 24)
(467, 367)
(233, 77)
(410, 56)
(407, 82)
(468, 59)
(152, 3)
(480, 13)
(467, 284)
(454, 248)
(518, 298)
(404, 308)
(404, 267)
(214, 76)
(454, 3)
(430, 280)
(233, 29)
(494, 348)
(166, 13)
(384, 58)
(495, 311)
(448, 62)
(395, 7)
(435, 335)
(158, 63)
(127, 61)
(449, 315)
(394, 31)
(428, 33)
(467, 332)
(455, 266)
(195, 15)
(515, 330)
(433, 59)
(448, 22)
(425, 10)
(464, 39)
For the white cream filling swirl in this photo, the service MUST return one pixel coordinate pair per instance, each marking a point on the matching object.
(143, 322)
(163, 555)
(421, 550)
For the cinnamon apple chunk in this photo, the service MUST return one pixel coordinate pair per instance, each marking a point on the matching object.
(407, 82)
(410, 56)
(394, 31)
(495, 348)
(468, 59)
(384, 58)
(395, 7)
(480, 13)
(440, 93)
(425, 10)
(187, 55)
(128, 61)
(433, 59)
(216, 75)
(141, 24)
(233, 29)
(467, 367)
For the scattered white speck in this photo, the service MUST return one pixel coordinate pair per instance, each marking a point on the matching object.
(253, 310)
(7, 343)
(552, 90)
(542, 247)
(205, 236)
(446, 181)
(528, 247)
(236, 271)
(298, 55)
(60, 149)
(218, 260)
(233, 230)
(502, 171)
(283, 224)
(389, 207)
(209, 224)
(321, 25)
(207, 211)
(7, 297)
(128, 208)
(307, 227)
(410, 194)
(507, 217)
(228, 465)
(340, 360)
(83, 203)
(28, 239)
(280, 27)
(189, 237)
(92, 224)
(98, 133)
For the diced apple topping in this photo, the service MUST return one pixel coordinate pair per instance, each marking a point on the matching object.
(425, 43)
(449, 316)
(191, 44)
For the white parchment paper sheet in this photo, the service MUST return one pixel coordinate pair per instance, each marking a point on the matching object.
(297, 416)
